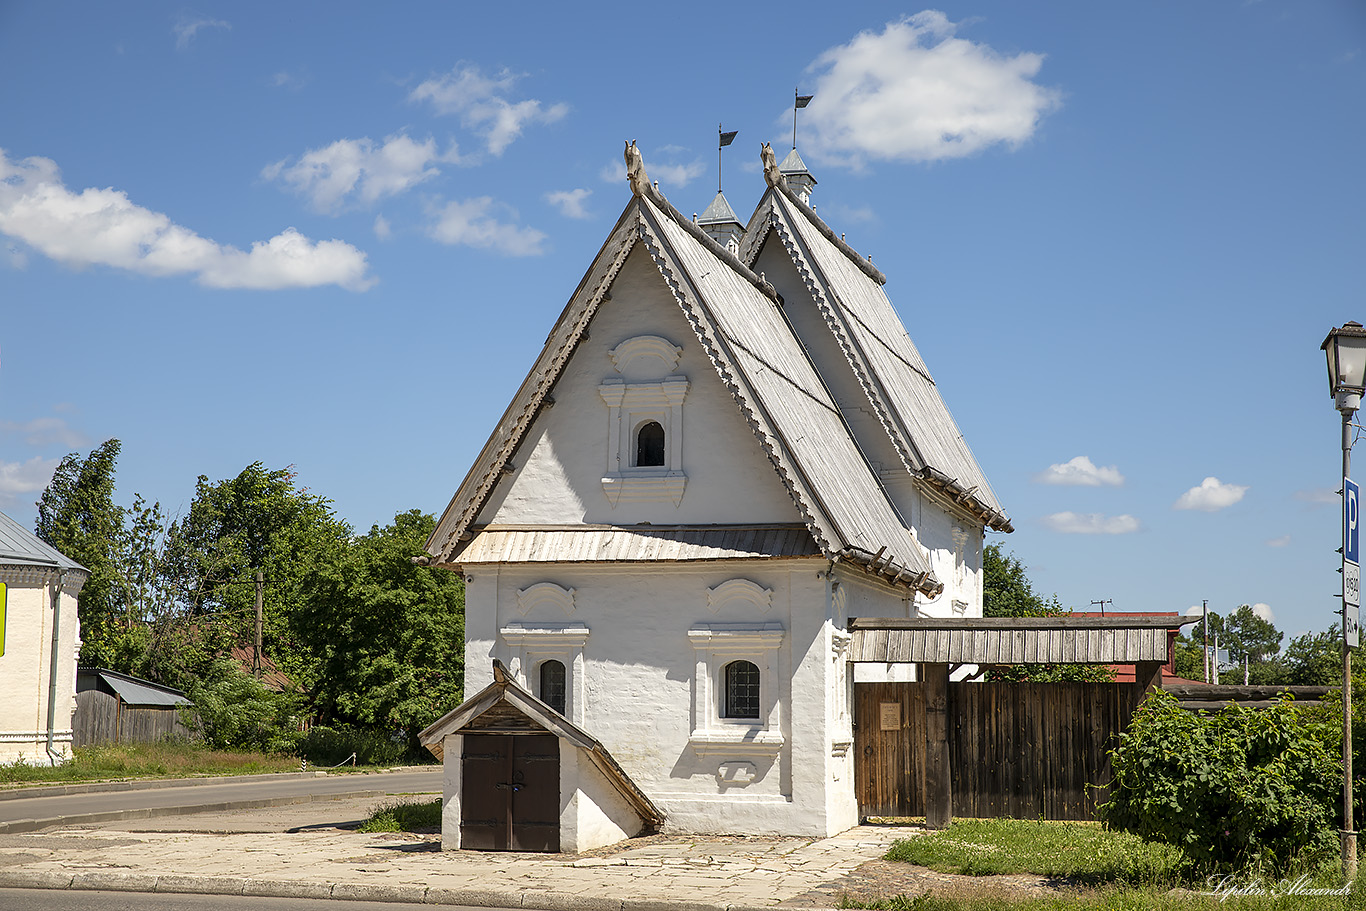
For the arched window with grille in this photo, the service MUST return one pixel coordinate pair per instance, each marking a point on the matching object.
(741, 690)
(553, 684)
(650, 445)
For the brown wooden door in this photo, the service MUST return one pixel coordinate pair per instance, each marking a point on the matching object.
(889, 761)
(510, 793)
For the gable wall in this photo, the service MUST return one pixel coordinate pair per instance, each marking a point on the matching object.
(26, 664)
(559, 468)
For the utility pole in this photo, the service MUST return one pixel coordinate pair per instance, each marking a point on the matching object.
(1102, 602)
(260, 611)
(1204, 648)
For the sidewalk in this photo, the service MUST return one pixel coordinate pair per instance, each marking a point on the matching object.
(679, 873)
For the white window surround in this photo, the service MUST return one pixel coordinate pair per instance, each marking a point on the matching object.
(531, 643)
(545, 594)
(646, 346)
(716, 645)
(742, 590)
(629, 407)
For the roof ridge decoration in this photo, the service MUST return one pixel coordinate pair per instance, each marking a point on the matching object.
(778, 181)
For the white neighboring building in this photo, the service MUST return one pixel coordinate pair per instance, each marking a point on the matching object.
(727, 447)
(39, 641)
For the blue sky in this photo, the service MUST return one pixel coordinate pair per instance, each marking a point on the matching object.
(334, 236)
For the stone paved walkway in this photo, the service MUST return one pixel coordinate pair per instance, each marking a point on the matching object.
(718, 872)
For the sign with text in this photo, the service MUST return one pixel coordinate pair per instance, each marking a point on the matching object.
(1351, 563)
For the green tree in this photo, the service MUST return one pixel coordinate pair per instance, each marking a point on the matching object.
(1315, 659)
(258, 520)
(78, 516)
(1247, 635)
(385, 636)
(1007, 592)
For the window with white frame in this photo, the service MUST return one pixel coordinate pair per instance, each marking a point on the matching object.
(738, 687)
(547, 658)
(644, 422)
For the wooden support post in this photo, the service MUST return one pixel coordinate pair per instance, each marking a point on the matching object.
(938, 778)
(1147, 677)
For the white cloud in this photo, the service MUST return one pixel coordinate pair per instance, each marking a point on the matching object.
(382, 229)
(914, 92)
(1091, 523)
(186, 28)
(1080, 472)
(1211, 495)
(569, 202)
(1319, 496)
(17, 478)
(102, 227)
(358, 168)
(662, 166)
(471, 223)
(482, 103)
(1264, 611)
(45, 432)
(1282, 541)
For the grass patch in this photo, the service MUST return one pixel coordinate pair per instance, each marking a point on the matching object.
(405, 816)
(1118, 899)
(1081, 851)
(168, 759)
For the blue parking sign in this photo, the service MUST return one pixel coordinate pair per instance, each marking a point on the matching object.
(1351, 521)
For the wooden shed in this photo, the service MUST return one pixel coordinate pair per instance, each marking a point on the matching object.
(117, 708)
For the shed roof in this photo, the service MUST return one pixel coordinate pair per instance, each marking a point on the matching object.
(505, 691)
(1014, 640)
(19, 546)
(135, 690)
(889, 368)
(627, 544)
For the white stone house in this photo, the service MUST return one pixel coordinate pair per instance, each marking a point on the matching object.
(727, 447)
(39, 641)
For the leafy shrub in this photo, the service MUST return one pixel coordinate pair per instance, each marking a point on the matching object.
(234, 710)
(405, 816)
(328, 746)
(1242, 788)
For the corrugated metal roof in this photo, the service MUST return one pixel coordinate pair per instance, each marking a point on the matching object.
(1060, 640)
(889, 367)
(615, 544)
(134, 691)
(20, 546)
(719, 212)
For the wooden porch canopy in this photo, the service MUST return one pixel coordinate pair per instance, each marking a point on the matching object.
(1011, 640)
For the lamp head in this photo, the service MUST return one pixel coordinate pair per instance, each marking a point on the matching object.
(1346, 351)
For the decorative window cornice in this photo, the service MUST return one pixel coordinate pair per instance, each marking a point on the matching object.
(647, 346)
(742, 590)
(545, 594)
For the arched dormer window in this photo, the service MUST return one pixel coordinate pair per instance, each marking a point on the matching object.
(553, 684)
(650, 445)
(742, 690)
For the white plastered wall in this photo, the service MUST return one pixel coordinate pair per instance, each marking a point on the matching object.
(25, 666)
(592, 811)
(639, 685)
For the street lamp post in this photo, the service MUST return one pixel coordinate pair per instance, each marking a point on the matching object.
(1346, 350)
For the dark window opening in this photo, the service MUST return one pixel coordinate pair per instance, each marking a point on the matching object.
(742, 690)
(650, 445)
(553, 685)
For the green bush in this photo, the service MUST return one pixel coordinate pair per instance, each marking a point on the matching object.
(1238, 789)
(328, 746)
(405, 816)
(233, 710)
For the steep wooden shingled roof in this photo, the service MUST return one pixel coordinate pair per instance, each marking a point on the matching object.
(738, 320)
(900, 389)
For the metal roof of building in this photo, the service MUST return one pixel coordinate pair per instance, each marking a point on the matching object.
(136, 691)
(889, 367)
(719, 212)
(618, 544)
(1025, 640)
(793, 164)
(20, 546)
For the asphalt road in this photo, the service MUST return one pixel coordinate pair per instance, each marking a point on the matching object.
(213, 793)
(74, 900)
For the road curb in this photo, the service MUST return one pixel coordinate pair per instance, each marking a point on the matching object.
(372, 892)
(141, 784)
(19, 826)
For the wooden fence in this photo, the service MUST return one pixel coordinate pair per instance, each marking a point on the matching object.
(100, 718)
(1024, 750)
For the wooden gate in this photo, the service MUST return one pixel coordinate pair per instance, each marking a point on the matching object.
(1024, 750)
(510, 792)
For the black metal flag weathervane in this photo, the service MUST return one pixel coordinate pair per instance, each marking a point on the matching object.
(724, 139)
(800, 102)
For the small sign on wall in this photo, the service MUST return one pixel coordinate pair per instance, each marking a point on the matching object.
(889, 716)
